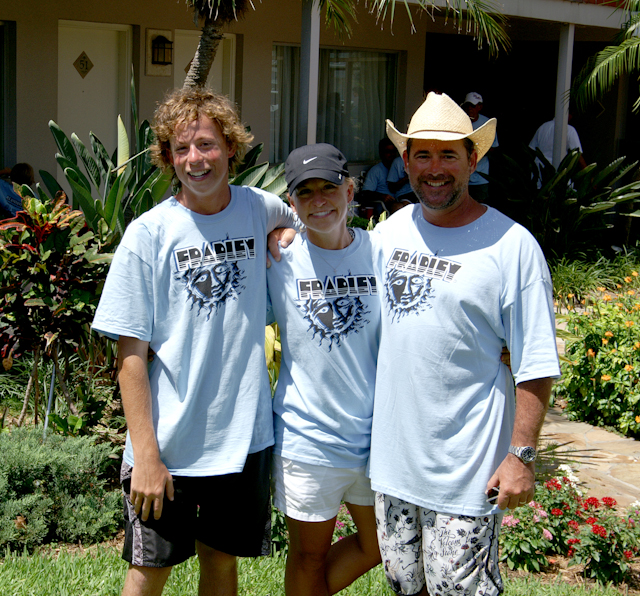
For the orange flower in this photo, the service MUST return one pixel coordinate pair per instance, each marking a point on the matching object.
(605, 341)
(608, 334)
(606, 377)
(634, 273)
(638, 419)
(619, 305)
(627, 279)
(569, 295)
(618, 286)
(631, 292)
(629, 323)
(601, 289)
(582, 301)
(613, 351)
(591, 353)
(628, 368)
(637, 345)
(607, 298)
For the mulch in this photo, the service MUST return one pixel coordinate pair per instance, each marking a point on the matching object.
(558, 570)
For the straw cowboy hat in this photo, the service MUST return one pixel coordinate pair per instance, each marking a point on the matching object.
(442, 119)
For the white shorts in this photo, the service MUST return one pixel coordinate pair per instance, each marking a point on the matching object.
(313, 493)
(453, 555)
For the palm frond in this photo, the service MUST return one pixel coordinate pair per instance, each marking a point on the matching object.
(339, 14)
(218, 10)
(602, 71)
(482, 17)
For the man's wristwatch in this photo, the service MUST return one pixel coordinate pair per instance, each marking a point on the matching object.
(525, 454)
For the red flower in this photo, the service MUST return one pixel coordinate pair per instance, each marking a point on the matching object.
(553, 484)
(592, 520)
(599, 530)
(571, 552)
(573, 541)
(574, 525)
(591, 502)
(628, 554)
(609, 502)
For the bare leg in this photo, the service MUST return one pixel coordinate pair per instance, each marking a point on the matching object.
(309, 544)
(354, 555)
(145, 581)
(218, 572)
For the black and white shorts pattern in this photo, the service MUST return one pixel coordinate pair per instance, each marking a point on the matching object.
(450, 554)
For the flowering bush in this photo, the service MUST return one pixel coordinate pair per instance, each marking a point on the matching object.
(600, 381)
(525, 538)
(560, 521)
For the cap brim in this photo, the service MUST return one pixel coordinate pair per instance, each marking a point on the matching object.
(482, 137)
(329, 175)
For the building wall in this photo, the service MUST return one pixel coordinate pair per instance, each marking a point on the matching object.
(271, 22)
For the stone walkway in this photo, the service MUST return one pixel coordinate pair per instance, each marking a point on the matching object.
(609, 465)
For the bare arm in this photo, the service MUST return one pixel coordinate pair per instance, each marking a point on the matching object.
(516, 479)
(150, 477)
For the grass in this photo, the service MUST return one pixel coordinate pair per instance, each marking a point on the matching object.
(100, 572)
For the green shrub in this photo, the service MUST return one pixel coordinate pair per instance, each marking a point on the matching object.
(56, 491)
(600, 376)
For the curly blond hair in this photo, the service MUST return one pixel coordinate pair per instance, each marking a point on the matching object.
(182, 106)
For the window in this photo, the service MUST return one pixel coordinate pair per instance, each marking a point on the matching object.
(356, 94)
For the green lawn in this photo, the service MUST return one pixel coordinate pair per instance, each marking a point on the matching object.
(102, 572)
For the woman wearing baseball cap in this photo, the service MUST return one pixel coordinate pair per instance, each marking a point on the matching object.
(325, 299)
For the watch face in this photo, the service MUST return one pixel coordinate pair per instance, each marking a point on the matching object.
(528, 454)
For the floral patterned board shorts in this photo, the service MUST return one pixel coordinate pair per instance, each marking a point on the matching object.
(450, 554)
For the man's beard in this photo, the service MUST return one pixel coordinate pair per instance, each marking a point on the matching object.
(456, 192)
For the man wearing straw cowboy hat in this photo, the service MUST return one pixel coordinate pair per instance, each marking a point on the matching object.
(450, 447)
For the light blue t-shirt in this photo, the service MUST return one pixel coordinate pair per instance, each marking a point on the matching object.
(397, 172)
(444, 403)
(376, 179)
(194, 287)
(483, 164)
(327, 306)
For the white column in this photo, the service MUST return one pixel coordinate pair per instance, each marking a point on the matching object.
(563, 85)
(309, 71)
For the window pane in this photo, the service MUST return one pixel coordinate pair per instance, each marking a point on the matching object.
(357, 92)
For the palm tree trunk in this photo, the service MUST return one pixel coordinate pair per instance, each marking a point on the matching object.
(33, 378)
(205, 55)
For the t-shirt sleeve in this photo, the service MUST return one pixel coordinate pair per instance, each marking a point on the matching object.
(528, 318)
(370, 182)
(279, 214)
(126, 303)
(573, 140)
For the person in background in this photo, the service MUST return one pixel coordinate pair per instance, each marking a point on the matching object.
(325, 299)
(544, 137)
(398, 182)
(478, 185)
(375, 191)
(10, 199)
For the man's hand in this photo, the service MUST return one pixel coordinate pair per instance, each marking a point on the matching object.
(284, 236)
(516, 481)
(149, 481)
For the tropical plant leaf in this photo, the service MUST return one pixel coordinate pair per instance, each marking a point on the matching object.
(104, 161)
(123, 145)
(90, 164)
(64, 144)
(83, 197)
(250, 177)
(50, 182)
(67, 164)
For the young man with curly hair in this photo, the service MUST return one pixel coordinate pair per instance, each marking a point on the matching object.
(188, 281)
